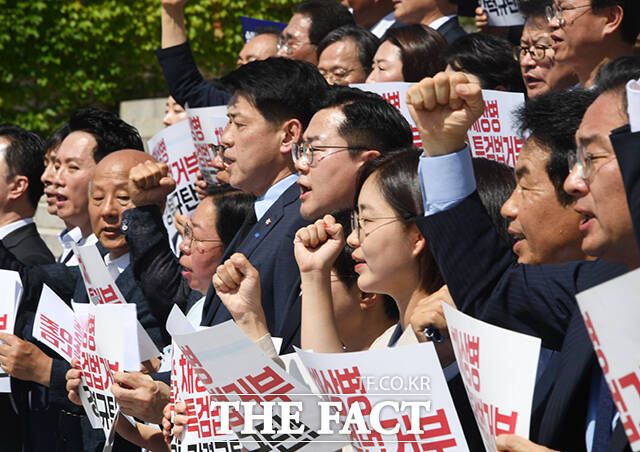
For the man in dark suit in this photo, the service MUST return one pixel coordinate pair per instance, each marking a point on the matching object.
(21, 164)
(536, 300)
(109, 198)
(437, 14)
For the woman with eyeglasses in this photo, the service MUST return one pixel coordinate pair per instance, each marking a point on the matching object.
(206, 235)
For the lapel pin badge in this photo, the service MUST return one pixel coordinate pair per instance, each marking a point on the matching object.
(268, 221)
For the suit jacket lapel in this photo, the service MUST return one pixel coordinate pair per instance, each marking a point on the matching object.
(255, 236)
(564, 422)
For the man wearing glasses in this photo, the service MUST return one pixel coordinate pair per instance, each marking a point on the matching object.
(540, 72)
(352, 127)
(537, 300)
(311, 22)
(587, 34)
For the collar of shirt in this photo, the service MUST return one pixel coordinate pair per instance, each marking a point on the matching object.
(117, 265)
(67, 237)
(441, 21)
(264, 202)
(66, 250)
(9, 228)
(383, 25)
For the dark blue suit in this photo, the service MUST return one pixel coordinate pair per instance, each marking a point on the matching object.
(184, 81)
(538, 300)
(451, 30)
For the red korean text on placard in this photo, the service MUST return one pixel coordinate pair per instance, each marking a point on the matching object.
(629, 383)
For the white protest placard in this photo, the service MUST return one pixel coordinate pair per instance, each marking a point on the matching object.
(99, 358)
(57, 326)
(502, 13)
(396, 94)
(633, 104)
(611, 312)
(102, 289)
(174, 146)
(199, 431)
(498, 368)
(383, 384)
(206, 125)
(12, 285)
(234, 369)
(494, 136)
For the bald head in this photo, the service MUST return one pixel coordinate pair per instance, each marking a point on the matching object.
(109, 197)
(261, 47)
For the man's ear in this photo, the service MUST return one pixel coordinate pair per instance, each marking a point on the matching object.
(291, 133)
(368, 300)
(369, 154)
(17, 187)
(613, 16)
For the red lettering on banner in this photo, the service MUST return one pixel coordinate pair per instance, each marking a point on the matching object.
(196, 129)
(160, 152)
(393, 98)
(265, 386)
(3, 322)
(185, 167)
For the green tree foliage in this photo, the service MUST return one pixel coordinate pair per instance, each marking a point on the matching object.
(60, 55)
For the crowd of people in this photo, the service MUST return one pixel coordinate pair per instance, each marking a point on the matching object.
(328, 228)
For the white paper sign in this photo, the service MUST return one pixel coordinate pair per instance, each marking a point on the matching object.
(494, 136)
(371, 378)
(99, 358)
(498, 368)
(233, 368)
(502, 13)
(12, 285)
(174, 146)
(56, 325)
(102, 289)
(206, 126)
(611, 312)
(633, 104)
(199, 431)
(396, 94)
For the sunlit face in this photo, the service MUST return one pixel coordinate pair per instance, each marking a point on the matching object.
(74, 166)
(202, 253)
(253, 144)
(384, 245)
(412, 11)
(329, 184)
(387, 64)
(601, 197)
(48, 179)
(260, 47)
(109, 198)
(173, 113)
(295, 37)
(339, 63)
(541, 75)
(582, 28)
(546, 232)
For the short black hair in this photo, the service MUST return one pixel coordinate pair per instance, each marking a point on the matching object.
(533, 8)
(370, 121)
(56, 138)
(422, 50)
(25, 157)
(614, 76)
(399, 185)
(326, 15)
(232, 207)
(495, 183)
(110, 132)
(630, 26)
(280, 88)
(366, 42)
(551, 120)
(488, 57)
